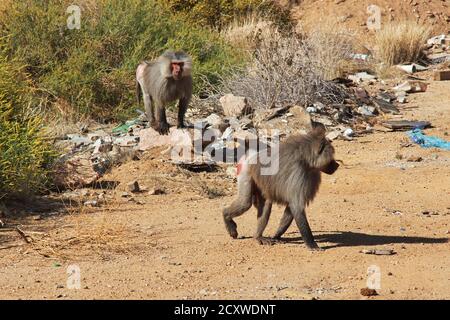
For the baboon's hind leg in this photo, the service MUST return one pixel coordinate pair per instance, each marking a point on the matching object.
(239, 205)
(264, 210)
(285, 222)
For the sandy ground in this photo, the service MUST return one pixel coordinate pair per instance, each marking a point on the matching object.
(174, 246)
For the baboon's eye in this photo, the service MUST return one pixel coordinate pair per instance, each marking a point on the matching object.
(322, 146)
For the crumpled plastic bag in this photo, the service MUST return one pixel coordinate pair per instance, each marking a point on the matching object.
(424, 141)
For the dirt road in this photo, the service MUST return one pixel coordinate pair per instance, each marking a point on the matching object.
(174, 246)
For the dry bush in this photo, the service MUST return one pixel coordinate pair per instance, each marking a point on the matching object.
(331, 46)
(292, 69)
(244, 32)
(401, 42)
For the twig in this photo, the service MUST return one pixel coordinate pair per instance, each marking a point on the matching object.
(23, 235)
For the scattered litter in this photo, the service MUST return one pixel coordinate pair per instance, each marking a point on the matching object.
(424, 141)
(361, 76)
(348, 133)
(401, 96)
(360, 56)
(412, 68)
(442, 75)
(311, 110)
(412, 86)
(385, 107)
(405, 124)
(437, 40)
(379, 252)
(366, 110)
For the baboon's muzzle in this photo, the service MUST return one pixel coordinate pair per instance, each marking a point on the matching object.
(331, 167)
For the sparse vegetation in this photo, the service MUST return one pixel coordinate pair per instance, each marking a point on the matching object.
(24, 151)
(92, 69)
(219, 14)
(401, 42)
(293, 69)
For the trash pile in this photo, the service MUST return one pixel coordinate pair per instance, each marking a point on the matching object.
(228, 133)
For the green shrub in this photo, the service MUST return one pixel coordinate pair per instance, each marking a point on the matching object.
(219, 13)
(24, 152)
(93, 68)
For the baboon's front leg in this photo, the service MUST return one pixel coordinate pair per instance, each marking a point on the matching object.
(182, 107)
(302, 223)
(264, 210)
(285, 222)
(149, 112)
(161, 122)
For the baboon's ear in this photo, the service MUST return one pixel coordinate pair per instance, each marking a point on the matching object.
(318, 129)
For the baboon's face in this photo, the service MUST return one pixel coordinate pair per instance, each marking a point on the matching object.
(324, 155)
(177, 70)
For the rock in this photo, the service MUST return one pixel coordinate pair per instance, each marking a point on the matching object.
(133, 187)
(333, 135)
(74, 171)
(156, 191)
(311, 110)
(101, 146)
(214, 120)
(149, 138)
(234, 106)
(414, 159)
(302, 117)
(366, 110)
(127, 141)
(91, 203)
(368, 292)
(361, 93)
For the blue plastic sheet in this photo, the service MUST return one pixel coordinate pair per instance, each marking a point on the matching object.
(424, 141)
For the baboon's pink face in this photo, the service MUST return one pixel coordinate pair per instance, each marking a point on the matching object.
(177, 70)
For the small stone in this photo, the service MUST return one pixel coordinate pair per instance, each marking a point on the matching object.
(133, 187)
(91, 203)
(156, 191)
(368, 292)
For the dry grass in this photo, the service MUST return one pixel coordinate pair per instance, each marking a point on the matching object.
(331, 45)
(293, 69)
(401, 42)
(243, 32)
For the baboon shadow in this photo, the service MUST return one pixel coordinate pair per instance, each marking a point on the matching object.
(354, 239)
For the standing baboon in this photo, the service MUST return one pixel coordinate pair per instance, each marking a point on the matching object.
(301, 160)
(162, 81)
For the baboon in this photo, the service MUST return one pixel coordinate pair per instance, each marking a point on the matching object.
(302, 158)
(162, 81)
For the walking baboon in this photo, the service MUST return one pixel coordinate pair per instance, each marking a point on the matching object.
(301, 160)
(162, 81)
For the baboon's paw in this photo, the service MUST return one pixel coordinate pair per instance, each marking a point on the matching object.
(265, 241)
(313, 247)
(231, 228)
